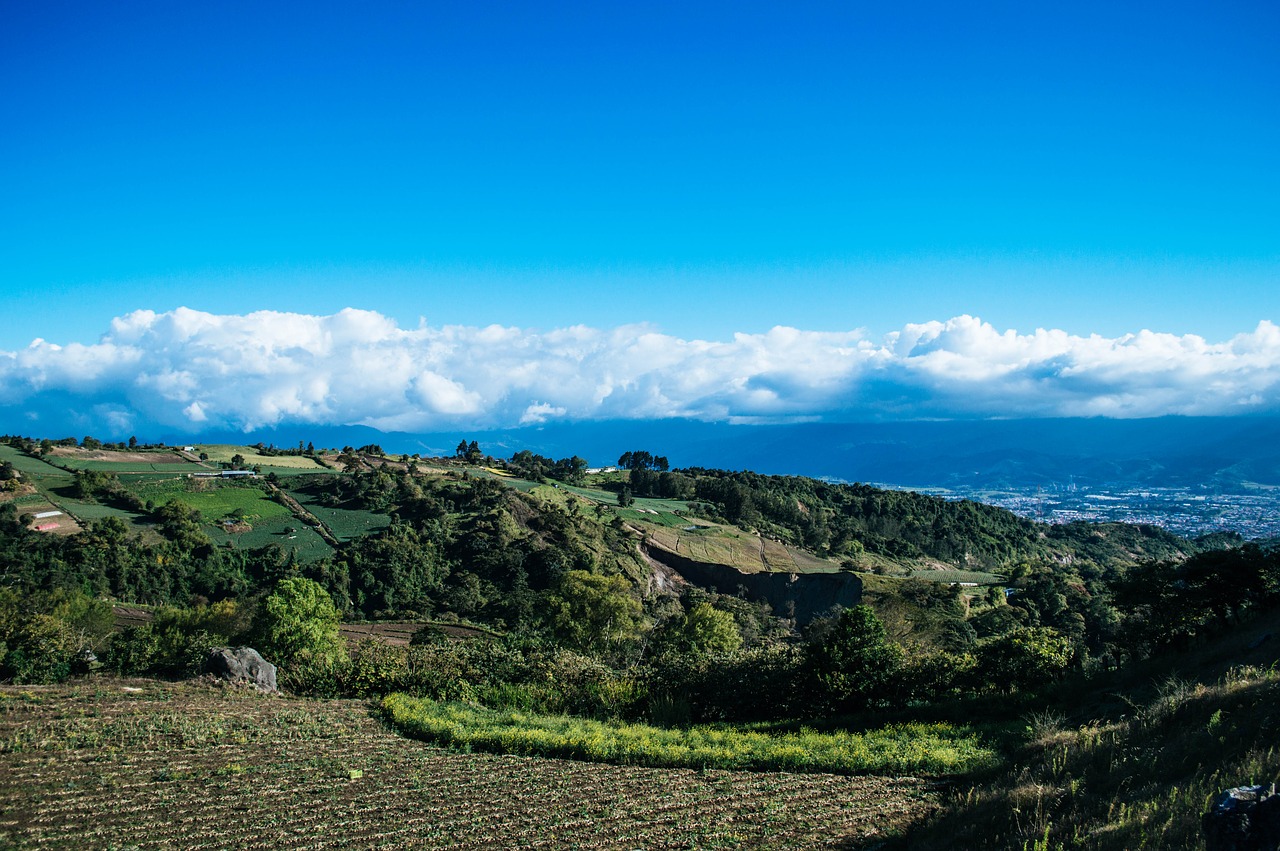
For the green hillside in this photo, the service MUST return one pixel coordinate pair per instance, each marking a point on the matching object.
(677, 619)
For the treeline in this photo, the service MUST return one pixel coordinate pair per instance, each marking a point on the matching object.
(845, 520)
(699, 657)
(539, 468)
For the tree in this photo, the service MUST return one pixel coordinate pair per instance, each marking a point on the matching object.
(594, 612)
(850, 660)
(625, 498)
(133, 443)
(237, 461)
(1024, 658)
(298, 625)
(705, 630)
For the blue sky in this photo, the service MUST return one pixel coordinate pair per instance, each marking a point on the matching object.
(1096, 168)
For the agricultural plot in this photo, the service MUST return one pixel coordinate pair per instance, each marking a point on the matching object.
(44, 516)
(285, 532)
(112, 763)
(346, 524)
(112, 461)
(220, 452)
(89, 511)
(977, 577)
(214, 498)
(715, 544)
(29, 466)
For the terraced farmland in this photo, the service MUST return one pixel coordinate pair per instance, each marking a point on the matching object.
(714, 544)
(119, 763)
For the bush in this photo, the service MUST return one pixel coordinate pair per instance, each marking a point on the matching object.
(298, 627)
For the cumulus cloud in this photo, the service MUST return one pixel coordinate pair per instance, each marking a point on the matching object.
(195, 371)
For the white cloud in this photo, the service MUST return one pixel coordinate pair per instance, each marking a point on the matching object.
(192, 370)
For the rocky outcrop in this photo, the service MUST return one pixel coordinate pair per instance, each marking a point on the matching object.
(802, 596)
(242, 665)
(1246, 818)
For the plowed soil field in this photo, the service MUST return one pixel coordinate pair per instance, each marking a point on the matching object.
(139, 764)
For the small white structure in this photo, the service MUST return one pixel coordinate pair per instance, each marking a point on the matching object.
(43, 514)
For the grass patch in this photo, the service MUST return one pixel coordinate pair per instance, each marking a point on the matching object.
(214, 498)
(1139, 781)
(29, 466)
(912, 748)
(96, 511)
(286, 532)
(347, 524)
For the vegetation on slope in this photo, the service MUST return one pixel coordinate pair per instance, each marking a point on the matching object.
(579, 622)
(911, 748)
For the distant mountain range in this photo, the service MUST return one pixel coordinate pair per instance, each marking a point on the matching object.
(1219, 452)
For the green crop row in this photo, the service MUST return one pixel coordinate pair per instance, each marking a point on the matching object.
(896, 749)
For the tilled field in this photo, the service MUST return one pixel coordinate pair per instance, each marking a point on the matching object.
(140, 764)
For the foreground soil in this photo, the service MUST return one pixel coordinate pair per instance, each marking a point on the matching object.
(143, 764)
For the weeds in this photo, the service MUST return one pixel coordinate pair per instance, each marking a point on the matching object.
(1140, 782)
(895, 749)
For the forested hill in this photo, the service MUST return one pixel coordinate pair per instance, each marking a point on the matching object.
(848, 522)
(483, 538)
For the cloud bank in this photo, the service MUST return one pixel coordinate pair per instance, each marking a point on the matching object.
(193, 371)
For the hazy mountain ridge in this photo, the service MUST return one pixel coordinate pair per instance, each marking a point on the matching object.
(1221, 452)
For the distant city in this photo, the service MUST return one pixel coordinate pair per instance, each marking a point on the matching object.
(1185, 511)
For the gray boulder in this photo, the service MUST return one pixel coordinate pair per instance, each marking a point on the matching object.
(242, 665)
(1246, 818)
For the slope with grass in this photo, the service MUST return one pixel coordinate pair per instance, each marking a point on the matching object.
(1133, 761)
(913, 748)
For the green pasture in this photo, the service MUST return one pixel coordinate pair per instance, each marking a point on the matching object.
(89, 511)
(166, 462)
(286, 532)
(27, 465)
(345, 523)
(214, 498)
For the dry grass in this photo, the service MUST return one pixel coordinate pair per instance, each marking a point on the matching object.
(1138, 781)
(118, 763)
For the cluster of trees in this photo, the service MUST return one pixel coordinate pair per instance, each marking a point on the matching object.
(45, 636)
(539, 468)
(46, 445)
(469, 452)
(641, 459)
(271, 450)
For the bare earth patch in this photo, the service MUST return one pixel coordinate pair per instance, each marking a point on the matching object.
(137, 763)
(118, 456)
